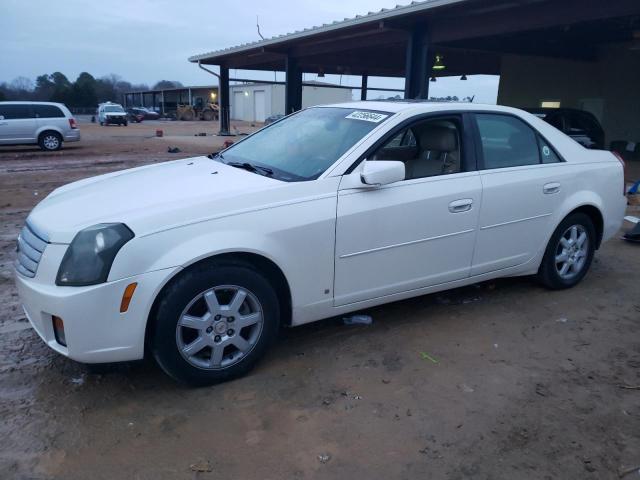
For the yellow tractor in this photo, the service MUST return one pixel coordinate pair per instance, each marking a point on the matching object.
(199, 111)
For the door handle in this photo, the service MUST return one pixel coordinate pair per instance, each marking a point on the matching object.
(551, 188)
(459, 206)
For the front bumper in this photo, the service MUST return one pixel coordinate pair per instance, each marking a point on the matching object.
(114, 119)
(95, 330)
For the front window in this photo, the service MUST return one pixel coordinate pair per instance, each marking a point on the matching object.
(114, 109)
(302, 146)
(427, 148)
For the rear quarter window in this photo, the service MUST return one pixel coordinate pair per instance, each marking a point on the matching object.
(47, 111)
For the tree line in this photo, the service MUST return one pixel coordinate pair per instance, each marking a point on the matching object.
(85, 92)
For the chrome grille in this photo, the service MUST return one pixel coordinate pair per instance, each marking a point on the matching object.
(30, 248)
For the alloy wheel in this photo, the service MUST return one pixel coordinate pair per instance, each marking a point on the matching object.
(51, 142)
(572, 252)
(219, 327)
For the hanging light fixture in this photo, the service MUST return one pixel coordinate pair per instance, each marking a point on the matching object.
(438, 66)
(463, 77)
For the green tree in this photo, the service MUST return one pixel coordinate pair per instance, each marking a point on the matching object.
(61, 88)
(166, 84)
(44, 88)
(84, 91)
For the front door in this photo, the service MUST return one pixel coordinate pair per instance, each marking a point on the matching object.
(415, 233)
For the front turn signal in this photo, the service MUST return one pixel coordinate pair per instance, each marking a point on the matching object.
(127, 296)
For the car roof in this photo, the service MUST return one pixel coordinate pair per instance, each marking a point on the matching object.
(416, 106)
(25, 102)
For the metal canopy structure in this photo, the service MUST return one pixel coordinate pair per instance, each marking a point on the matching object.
(469, 35)
(160, 97)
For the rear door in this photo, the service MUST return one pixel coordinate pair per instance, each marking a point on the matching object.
(522, 186)
(50, 116)
(17, 123)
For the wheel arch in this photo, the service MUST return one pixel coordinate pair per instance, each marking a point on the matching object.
(596, 217)
(256, 261)
(41, 131)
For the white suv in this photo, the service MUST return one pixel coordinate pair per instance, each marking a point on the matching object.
(111, 113)
(43, 123)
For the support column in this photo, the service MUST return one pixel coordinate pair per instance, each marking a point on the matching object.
(223, 98)
(141, 99)
(293, 86)
(190, 101)
(162, 97)
(418, 64)
(153, 101)
(363, 89)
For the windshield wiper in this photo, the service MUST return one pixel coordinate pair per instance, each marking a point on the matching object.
(251, 167)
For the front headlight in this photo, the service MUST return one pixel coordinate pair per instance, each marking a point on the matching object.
(88, 259)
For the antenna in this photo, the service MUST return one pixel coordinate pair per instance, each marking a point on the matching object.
(258, 26)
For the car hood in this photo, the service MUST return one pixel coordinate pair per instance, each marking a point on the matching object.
(114, 114)
(150, 198)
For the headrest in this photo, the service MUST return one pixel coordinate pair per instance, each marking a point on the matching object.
(439, 139)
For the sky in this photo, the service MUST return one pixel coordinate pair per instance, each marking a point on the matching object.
(145, 41)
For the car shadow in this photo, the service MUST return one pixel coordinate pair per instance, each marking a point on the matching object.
(146, 373)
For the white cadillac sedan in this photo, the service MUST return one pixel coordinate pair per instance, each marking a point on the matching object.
(327, 211)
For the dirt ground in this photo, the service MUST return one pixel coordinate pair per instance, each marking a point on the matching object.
(502, 380)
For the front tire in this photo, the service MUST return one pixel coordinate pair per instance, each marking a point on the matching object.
(569, 253)
(214, 322)
(50, 141)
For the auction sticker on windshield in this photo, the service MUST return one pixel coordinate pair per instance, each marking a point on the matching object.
(367, 116)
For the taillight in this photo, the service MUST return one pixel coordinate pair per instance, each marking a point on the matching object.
(72, 123)
(624, 166)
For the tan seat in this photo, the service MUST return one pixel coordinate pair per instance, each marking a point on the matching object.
(439, 153)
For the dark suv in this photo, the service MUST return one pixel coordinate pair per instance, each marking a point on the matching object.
(582, 126)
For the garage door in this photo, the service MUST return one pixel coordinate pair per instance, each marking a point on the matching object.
(259, 105)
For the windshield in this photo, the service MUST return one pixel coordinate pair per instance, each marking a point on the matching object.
(302, 146)
(113, 109)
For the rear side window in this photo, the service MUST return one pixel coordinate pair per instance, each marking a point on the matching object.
(15, 112)
(47, 111)
(507, 141)
(547, 153)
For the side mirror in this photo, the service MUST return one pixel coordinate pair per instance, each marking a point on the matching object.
(382, 172)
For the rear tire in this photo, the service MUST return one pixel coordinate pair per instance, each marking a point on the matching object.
(214, 322)
(569, 253)
(50, 141)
